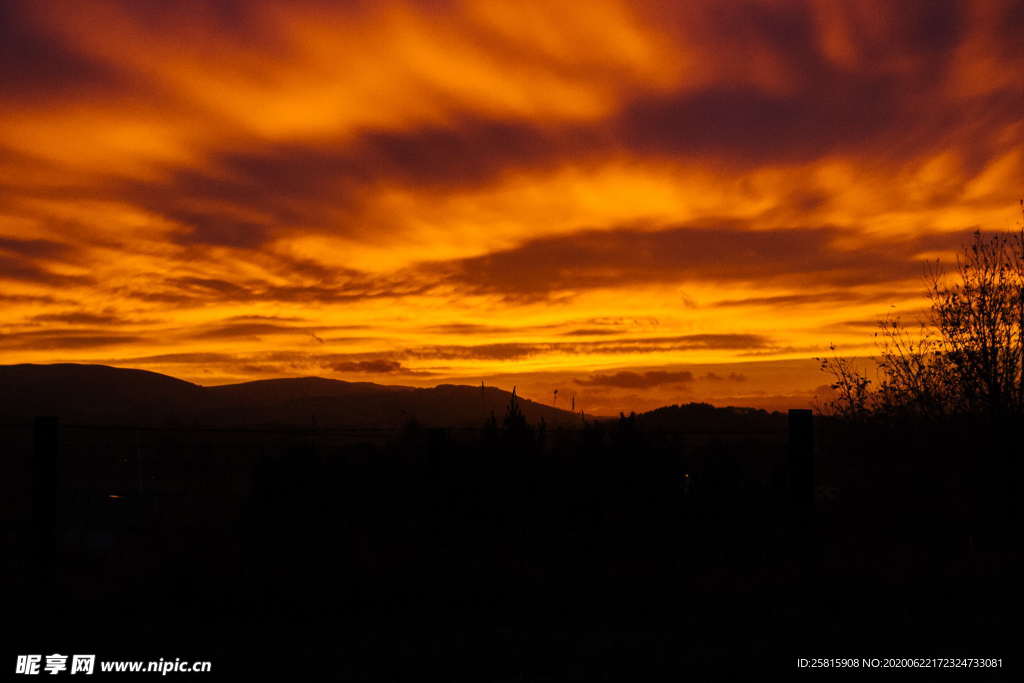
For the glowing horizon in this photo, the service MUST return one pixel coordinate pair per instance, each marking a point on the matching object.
(641, 202)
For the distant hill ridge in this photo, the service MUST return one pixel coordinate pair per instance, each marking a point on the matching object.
(99, 394)
(104, 395)
(704, 417)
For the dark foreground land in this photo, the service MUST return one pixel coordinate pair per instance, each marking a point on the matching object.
(623, 550)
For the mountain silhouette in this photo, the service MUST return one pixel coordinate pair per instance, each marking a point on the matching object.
(704, 417)
(94, 393)
(107, 395)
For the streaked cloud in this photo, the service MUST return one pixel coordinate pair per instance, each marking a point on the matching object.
(636, 380)
(470, 190)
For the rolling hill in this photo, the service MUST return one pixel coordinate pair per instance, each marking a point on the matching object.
(97, 394)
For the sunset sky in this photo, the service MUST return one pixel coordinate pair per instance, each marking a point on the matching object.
(639, 202)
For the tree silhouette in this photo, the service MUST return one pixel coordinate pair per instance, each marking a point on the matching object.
(515, 429)
(967, 358)
(980, 319)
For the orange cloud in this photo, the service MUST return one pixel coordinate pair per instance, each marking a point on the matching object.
(456, 191)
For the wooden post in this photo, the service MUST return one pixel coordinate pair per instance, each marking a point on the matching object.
(46, 450)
